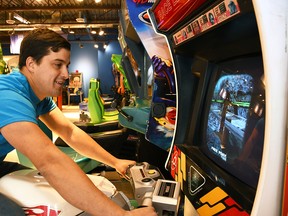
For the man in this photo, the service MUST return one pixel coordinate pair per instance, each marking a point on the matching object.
(26, 96)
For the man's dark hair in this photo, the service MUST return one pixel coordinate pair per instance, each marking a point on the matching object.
(39, 43)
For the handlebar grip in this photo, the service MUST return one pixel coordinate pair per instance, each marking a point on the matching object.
(147, 200)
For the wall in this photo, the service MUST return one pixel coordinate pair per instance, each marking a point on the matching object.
(105, 66)
(85, 61)
(94, 63)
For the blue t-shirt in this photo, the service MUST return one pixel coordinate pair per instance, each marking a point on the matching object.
(19, 103)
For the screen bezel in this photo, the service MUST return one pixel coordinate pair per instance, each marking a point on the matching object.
(206, 108)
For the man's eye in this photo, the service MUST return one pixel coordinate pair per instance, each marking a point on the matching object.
(58, 65)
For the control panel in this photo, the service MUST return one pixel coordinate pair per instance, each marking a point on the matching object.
(143, 178)
(151, 189)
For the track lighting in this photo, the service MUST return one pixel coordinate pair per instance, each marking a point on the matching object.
(101, 32)
(92, 31)
(20, 18)
(10, 20)
(70, 31)
(80, 19)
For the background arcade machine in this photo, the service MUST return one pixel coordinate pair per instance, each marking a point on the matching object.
(135, 64)
(229, 150)
(135, 113)
(121, 88)
(103, 115)
(110, 135)
(151, 50)
(103, 125)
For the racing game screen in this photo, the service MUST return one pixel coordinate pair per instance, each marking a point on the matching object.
(234, 130)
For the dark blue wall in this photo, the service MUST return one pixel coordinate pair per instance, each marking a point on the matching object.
(94, 63)
(105, 65)
(85, 61)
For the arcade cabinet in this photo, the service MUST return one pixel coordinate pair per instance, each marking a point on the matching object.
(152, 105)
(229, 147)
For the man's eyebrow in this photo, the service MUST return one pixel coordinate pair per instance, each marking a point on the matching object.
(61, 60)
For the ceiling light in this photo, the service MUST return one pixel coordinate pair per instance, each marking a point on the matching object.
(92, 31)
(70, 31)
(17, 29)
(97, 1)
(101, 32)
(105, 46)
(10, 20)
(80, 19)
(96, 46)
(20, 18)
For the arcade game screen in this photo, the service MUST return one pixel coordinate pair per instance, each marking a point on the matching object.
(233, 132)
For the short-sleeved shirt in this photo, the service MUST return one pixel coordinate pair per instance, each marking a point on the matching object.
(19, 104)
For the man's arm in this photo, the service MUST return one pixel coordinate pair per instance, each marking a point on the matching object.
(61, 172)
(80, 141)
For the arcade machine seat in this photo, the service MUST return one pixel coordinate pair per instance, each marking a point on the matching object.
(109, 135)
(102, 116)
(96, 105)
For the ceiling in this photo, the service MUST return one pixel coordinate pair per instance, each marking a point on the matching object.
(60, 15)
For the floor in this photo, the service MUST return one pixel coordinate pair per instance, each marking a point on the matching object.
(72, 113)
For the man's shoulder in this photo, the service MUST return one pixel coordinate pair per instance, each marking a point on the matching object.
(14, 80)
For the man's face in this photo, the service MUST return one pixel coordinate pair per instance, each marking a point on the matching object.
(50, 75)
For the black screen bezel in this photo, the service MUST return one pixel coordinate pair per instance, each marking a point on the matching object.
(206, 107)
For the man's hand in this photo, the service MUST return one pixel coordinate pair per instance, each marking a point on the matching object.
(122, 166)
(147, 211)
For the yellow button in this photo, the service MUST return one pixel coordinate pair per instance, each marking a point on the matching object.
(151, 172)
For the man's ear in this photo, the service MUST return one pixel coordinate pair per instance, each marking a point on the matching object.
(30, 64)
